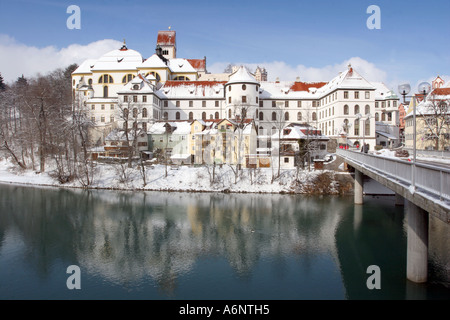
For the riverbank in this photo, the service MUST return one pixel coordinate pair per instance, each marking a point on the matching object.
(191, 179)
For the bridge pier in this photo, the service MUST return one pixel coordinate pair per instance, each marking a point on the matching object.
(417, 248)
(359, 187)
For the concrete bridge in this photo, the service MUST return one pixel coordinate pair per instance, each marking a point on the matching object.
(422, 188)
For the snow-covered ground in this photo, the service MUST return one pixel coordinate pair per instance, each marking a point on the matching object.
(182, 178)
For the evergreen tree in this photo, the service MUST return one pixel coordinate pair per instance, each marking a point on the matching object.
(22, 81)
(2, 83)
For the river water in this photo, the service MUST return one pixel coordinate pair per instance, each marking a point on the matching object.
(161, 245)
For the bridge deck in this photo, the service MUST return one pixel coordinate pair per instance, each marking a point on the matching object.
(427, 186)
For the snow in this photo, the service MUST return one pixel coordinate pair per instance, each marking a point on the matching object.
(184, 178)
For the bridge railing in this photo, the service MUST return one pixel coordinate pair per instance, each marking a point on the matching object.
(433, 179)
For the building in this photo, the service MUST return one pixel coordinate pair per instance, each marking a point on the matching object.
(122, 89)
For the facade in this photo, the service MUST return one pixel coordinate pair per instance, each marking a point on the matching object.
(124, 90)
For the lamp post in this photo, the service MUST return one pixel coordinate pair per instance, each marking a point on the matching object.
(404, 89)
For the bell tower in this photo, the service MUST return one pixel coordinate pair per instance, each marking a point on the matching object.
(167, 41)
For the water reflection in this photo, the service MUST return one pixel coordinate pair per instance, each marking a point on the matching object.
(165, 240)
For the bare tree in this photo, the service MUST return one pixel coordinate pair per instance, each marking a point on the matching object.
(435, 114)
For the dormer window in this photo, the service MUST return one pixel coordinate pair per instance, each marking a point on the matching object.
(136, 87)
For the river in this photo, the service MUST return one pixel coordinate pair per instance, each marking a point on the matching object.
(168, 245)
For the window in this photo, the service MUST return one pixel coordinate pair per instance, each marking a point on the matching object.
(286, 116)
(135, 99)
(191, 116)
(203, 115)
(93, 119)
(165, 116)
(203, 104)
(216, 104)
(286, 160)
(216, 115)
(356, 109)
(367, 94)
(261, 116)
(135, 112)
(166, 103)
(314, 116)
(261, 104)
(105, 92)
(177, 116)
(356, 94)
(111, 119)
(394, 104)
(274, 116)
(144, 127)
(346, 109)
(191, 104)
(383, 116)
(299, 104)
(229, 99)
(257, 99)
(102, 119)
(345, 94)
(127, 78)
(356, 127)
(93, 107)
(144, 113)
(229, 113)
(105, 78)
(377, 117)
(244, 99)
(244, 87)
(90, 82)
(376, 104)
(229, 88)
(144, 98)
(367, 109)
(125, 113)
(286, 104)
(102, 107)
(299, 116)
(125, 98)
(274, 104)
(177, 104)
(112, 107)
(181, 78)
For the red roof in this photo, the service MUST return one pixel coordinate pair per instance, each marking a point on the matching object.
(198, 64)
(441, 91)
(304, 86)
(166, 38)
(175, 83)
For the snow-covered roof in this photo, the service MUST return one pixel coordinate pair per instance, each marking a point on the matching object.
(143, 85)
(349, 79)
(179, 65)
(153, 62)
(282, 90)
(85, 67)
(242, 75)
(119, 59)
(427, 107)
(193, 89)
(180, 127)
(296, 132)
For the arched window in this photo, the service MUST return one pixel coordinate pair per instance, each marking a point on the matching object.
(261, 116)
(105, 78)
(216, 115)
(156, 75)
(389, 116)
(135, 112)
(356, 109)
(346, 125)
(177, 116)
(314, 116)
(229, 113)
(274, 116)
(286, 116)
(125, 113)
(377, 117)
(346, 109)
(127, 78)
(105, 92)
(367, 109)
(191, 116)
(90, 82)
(244, 87)
(299, 116)
(383, 116)
(165, 116)
(356, 127)
(203, 115)
(144, 113)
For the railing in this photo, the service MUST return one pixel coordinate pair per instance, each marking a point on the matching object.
(433, 179)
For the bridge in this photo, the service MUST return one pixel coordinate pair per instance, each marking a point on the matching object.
(423, 189)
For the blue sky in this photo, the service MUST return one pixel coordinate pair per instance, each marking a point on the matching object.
(312, 39)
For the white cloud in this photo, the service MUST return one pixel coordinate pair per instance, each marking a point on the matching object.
(17, 58)
(286, 72)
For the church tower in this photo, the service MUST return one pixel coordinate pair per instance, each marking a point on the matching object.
(167, 41)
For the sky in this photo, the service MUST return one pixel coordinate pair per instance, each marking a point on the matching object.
(313, 40)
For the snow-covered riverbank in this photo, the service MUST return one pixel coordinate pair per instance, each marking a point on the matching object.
(193, 179)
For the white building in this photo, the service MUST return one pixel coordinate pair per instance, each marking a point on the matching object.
(122, 85)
